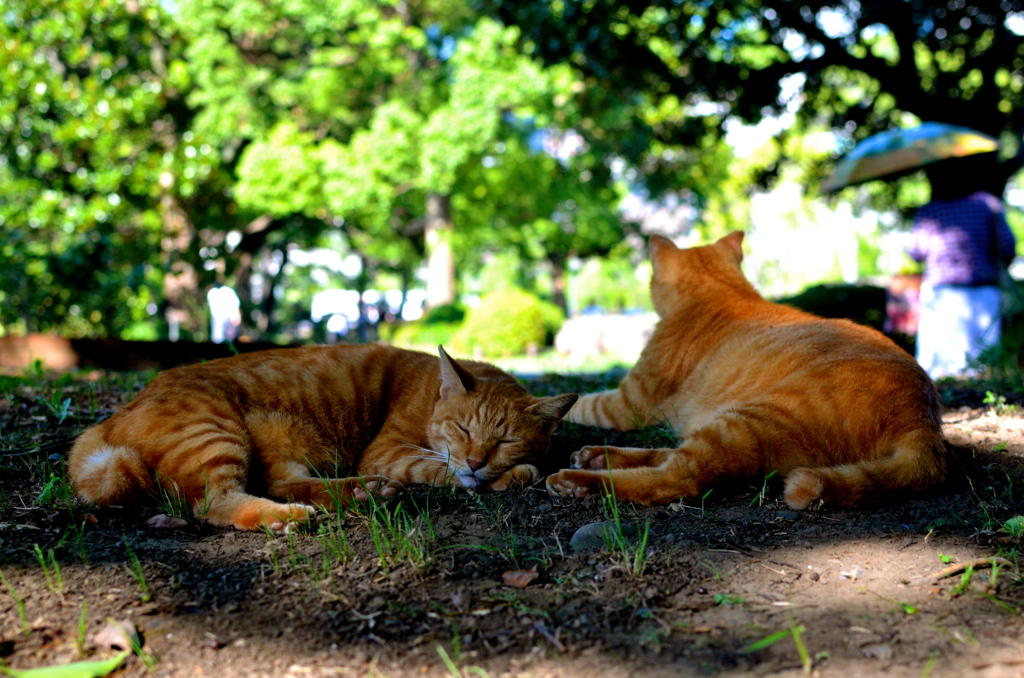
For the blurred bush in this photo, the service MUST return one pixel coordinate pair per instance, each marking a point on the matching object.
(864, 304)
(420, 335)
(438, 326)
(448, 313)
(614, 285)
(1002, 366)
(507, 322)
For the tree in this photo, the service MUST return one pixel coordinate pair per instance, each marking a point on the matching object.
(91, 147)
(545, 208)
(357, 116)
(851, 67)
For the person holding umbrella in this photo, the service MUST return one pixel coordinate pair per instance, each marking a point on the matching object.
(961, 235)
(963, 239)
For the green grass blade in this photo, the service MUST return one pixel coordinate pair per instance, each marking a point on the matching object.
(91, 669)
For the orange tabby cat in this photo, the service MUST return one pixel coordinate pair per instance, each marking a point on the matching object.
(750, 387)
(296, 422)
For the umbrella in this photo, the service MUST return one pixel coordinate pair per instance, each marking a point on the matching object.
(898, 151)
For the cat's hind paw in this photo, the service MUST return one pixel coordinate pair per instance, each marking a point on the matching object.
(606, 458)
(804, 486)
(591, 457)
(565, 484)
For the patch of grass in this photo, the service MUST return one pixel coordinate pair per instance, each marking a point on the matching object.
(148, 660)
(334, 544)
(59, 408)
(398, 535)
(19, 603)
(76, 527)
(703, 498)
(83, 621)
(965, 582)
(1014, 527)
(758, 499)
(57, 492)
(712, 568)
(453, 669)
(9, 384)
(51, 569)
(998, 403)
(632, 553)
(272, 549)
(134, 568)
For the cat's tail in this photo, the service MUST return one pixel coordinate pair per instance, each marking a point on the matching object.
(917, 463)
(107, 474)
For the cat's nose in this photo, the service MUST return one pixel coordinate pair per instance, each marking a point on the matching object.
(473, 464)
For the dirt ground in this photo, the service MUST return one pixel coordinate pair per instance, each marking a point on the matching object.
(469, 584)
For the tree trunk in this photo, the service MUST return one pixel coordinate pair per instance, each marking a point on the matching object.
(558, 282)
(183, 309)
(440, 261)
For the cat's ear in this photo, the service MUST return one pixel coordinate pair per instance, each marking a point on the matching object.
(551, 410)
(659, 247)
(455, 380)
(734, 241)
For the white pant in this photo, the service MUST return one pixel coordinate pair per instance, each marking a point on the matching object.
(957, 323)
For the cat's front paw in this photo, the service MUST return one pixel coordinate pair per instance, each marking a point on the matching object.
(521, 474)
(376, 486)
(591, 457)
(562, 484)
(276, 518)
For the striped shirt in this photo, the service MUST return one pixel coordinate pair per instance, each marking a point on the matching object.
(964, 241)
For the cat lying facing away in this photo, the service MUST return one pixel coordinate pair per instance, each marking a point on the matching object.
(749, 386)
(314, 426)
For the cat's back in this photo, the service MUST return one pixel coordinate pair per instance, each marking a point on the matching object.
(311, 382)
(775, 352)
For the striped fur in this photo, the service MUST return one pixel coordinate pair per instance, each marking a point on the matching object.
(314, 426)
(750, 386)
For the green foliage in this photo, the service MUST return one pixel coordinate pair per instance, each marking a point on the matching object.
(446, 313)
(437, 328)
(673, 73)
(424, 336)
(1002, 366)
(614, 285)
(864, 304)
(1015, 527)
(90, 144)
(507, 322)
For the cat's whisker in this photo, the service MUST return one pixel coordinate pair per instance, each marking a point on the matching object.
(427, 458)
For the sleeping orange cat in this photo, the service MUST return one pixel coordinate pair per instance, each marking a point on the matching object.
(749, 386)
(314, 426)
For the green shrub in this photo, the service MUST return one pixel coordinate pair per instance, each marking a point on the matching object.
(863, 304)
(447, 313)
(422, 335)
(507, 322)
(1002, 365)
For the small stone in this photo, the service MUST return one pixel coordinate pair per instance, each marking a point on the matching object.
(595, 535)
(787, 515)
(118, 635)
(878, 651)
(214, 641)
(166, 522)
